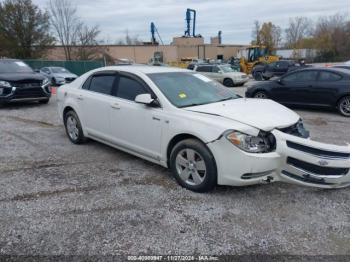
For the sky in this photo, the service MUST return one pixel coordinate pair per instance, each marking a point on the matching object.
(234, 18)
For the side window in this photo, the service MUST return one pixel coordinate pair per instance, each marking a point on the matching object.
(86, 85)
(129, 88)
(204, 69)
(291, 77)
(216, 69)
(283, 65)
(102, 84)
(301, 76)
(329, 76)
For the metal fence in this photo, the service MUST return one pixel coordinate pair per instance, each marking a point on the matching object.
(76, 67)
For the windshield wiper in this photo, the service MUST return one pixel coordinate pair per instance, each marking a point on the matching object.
(194, 104)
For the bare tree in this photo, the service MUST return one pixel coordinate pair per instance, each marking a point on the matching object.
(129, 40)
(87, 43)
(298, 29)
(256, 33)
(270, 36)
(64, 19)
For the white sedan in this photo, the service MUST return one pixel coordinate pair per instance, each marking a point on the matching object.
(202, 131)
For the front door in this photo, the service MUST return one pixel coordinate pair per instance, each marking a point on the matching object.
(136, 127)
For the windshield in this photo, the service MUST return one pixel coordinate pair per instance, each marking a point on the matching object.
(226, 69)
(10, 66)
(57, 70)
(188, 89)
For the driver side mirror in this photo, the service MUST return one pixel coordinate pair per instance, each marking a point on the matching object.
(36, 70)
(145, 99)
(220, 72)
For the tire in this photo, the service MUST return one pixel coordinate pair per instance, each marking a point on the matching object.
(260, 95)
(73, 128)
(193, 166)
(258, 76)
(344, 106)
(228, 82)
(46, 101)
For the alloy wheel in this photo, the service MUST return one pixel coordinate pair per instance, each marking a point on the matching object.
(344, 106)
(191, 167)
(72, 128)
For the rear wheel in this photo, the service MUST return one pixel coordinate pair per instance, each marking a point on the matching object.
(228, 82)
(193, 166)
(73, 128)
(344, 106)
(261, 95)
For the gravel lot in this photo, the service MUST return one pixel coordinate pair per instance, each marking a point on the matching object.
(59, 198)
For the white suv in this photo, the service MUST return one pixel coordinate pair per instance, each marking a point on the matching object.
(222, 73)
(201, 130)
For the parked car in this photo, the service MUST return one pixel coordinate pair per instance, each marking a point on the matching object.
(58, 75)
(223, 73)
(278, 68)
(347, 63)
(321, 87)
(202, 131)
(342, 66)
(18, 82)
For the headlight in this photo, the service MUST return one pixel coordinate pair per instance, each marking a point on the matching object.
(263, 143)
(45, 82)
(5, 84)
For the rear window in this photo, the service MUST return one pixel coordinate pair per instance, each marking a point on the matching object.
(329, 76)
(102, 84)
(203, 69)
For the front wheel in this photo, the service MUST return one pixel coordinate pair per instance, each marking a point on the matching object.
(73, 128)
(344, 106)
(193, 166)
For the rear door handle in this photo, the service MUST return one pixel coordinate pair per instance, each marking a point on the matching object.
(115, 106)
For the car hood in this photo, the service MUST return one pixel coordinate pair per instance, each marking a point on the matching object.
(21, 76)
(263, 114)
(64, 75)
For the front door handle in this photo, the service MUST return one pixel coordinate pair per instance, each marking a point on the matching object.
(80, 97)
(115, 106)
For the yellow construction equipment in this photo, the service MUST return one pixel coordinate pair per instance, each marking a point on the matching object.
(256, 55)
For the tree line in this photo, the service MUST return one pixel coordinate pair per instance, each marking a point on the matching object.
(329, 36)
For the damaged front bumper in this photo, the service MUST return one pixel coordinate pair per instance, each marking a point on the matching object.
(312, 163)
(295, 160)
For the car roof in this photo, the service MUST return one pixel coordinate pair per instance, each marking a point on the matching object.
(145, 69)
(9, 59)
(332, 69)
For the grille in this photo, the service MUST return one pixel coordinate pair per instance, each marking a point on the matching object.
(315, 169)
(27, 83)
(317, 152)
(29, 93)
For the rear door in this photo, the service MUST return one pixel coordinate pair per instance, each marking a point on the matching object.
(326, 88)
(94, 101)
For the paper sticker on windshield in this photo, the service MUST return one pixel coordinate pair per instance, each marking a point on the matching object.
(20, 63)
(202, 77)
(182, 95)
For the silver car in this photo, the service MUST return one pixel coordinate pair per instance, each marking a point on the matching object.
(58, 75)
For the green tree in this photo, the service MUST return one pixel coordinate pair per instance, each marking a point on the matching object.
(24, 29)
(270, 36)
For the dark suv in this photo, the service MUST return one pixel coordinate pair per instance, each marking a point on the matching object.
(278, 68)
(18, 82)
